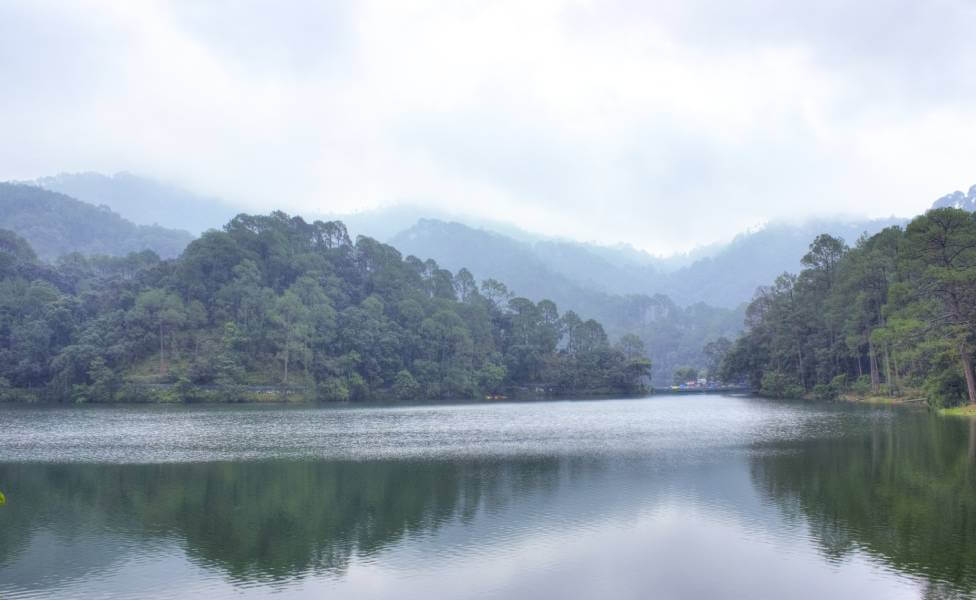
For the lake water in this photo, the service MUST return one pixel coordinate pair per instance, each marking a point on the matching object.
(666, 497)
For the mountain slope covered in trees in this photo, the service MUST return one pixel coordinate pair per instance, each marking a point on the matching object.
(275, 301)
(143, 200)
(673, 335)
(727, 277)
(55, 224)
(894, 314)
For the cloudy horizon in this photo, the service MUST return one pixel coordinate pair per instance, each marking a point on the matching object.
(660, 125)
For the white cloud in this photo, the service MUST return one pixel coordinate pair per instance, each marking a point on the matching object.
(664, 125)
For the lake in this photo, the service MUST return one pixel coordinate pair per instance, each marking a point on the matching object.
(665, 497)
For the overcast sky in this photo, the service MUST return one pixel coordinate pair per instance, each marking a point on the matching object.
(661, 124)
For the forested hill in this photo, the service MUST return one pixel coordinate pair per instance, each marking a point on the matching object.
(273, 303)
(895, 314)
(726, 277)
(55, 224)
(143, 200)
(673, 335)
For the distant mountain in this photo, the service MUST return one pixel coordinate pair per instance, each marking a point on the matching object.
(142, 200)
(727, 278)
(958, 200)
(55, 224)
(752, 259)
(673, 335)
(385, 223)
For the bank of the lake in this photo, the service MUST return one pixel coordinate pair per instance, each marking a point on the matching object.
(968, 410)
(278, 394)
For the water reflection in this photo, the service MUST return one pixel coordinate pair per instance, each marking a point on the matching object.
(853, 503)
(254, 521)
(902, 489)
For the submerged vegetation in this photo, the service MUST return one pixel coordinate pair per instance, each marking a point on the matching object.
(893, 316)
(274, 304)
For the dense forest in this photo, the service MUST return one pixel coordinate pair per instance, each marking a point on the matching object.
(893, 315)
(274, 304)
(55, 224)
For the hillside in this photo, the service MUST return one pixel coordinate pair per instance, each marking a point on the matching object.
(673, 335)
(143, 200)
(55, 224)
(732, 275)
(727, 278)
(275, 302)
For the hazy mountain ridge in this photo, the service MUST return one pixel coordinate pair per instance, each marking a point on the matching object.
(674, 335)
(143, 200)
(958, 199)
(731, 276)
(728, 278)
(55, 224)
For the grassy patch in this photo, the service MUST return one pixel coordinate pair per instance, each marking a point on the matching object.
(871, 399)
(966, 410)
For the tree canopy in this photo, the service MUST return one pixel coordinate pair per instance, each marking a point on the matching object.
(895, 313)
(276, 301)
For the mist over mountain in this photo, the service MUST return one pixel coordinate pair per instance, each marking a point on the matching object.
(143, 200)
(674, 335)
(958, 199)
(386, 222)
(675, 304)
(752, 259)
(727, 278)
(55, 224)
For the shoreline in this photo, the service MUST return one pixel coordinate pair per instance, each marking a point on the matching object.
(166, 395)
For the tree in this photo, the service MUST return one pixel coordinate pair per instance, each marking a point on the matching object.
(715, 352)
(161, 310)
(685, 375)
(939, 255)
(405, 387)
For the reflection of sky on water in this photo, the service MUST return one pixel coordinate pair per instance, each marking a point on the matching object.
(674, 519)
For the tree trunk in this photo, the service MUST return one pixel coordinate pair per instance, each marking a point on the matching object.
(972, 440)
(286, 363)
(967, 369)
(873, 363)
(161, 338)
(887, 364)
(894, 362)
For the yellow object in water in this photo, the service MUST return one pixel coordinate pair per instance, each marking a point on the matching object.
(3, 499)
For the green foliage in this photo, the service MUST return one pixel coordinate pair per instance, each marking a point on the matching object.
(275, 302)
(405, 387)
(333, 389)
(945, 389)
(685, 374)
(861, 386)
(896, 310)
(825, 392)
(672, 334)
(776, 384)
(56, 225)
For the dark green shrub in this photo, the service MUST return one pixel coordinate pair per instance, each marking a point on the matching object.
(945, 389)
(776, 384)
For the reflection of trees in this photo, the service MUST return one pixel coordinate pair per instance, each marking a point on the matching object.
(905, 492)
(264, 520)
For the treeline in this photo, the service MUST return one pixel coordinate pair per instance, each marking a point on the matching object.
(895, 314)
(275, 301)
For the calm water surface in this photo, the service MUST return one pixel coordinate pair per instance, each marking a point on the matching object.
(669, 497)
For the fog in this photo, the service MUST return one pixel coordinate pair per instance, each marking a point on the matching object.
(664, 125)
